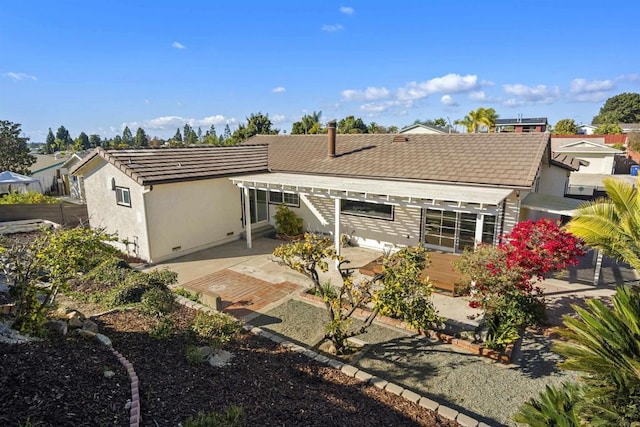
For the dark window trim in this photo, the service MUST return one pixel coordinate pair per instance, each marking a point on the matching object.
(352, 213)
(123, 189)
(293, 205)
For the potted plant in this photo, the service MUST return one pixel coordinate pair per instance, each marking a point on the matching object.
(288, 224)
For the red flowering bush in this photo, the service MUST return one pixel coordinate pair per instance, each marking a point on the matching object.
(539, 247)
(528, 252)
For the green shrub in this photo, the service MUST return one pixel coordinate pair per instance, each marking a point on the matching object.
(111, 271)
(217, 328)
(28, 198)
(554, 407)
(234, 416)
(163, 329)
(193, 296)
(287, 222)
(194, 355)
(157, 302)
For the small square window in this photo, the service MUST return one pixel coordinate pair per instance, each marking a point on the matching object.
(123, 197)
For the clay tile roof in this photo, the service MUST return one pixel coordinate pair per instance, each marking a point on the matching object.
(509, 159)
(163, 165)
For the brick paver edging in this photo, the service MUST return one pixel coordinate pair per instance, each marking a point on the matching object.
(135, 417)
(477, 349)
(352, 371)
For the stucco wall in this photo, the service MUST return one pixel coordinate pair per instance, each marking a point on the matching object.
(127, 222)
(189, 216)
(553, 180)
(597, 163)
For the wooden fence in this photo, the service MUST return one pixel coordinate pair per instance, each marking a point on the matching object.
(68, 214)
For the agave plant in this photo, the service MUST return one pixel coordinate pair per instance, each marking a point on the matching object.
(554, 407)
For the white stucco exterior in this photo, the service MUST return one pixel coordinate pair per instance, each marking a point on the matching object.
(165, 220)
(104, 212)
(185, 217)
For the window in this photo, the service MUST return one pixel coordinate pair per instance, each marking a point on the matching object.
(456, 230)
(373, 210)
(289, 199)
(123, 198)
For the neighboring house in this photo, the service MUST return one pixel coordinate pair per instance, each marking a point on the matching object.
(598, 161)
(74, 186)
(585, 129)
(597, 157)
(420, 128)
(449, 192)
(630, 127)
(522, 125)
(47, 170)
(168, 202)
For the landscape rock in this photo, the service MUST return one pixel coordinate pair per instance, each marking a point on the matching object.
(75, 315)
(75, 323)
(88, 325)
(205, 351)
(58, 326)
(221, 358)
(85, 333)
(109, 374)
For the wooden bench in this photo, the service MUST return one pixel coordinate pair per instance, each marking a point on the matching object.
(440, 272)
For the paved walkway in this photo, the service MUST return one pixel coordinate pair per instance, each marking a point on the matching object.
(242, 295)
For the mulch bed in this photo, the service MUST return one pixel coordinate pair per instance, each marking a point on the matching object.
(61, 382)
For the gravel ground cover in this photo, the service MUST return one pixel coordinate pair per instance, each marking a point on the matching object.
(475, 385)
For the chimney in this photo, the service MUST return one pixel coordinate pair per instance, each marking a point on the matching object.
(331, 133)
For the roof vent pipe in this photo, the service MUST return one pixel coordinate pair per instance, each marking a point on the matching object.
(331, 143)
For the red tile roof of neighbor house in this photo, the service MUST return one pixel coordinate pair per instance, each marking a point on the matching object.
(164, 165)
(503, 160)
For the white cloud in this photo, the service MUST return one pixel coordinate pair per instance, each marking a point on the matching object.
(634, 77)
(278, 89)
(512, 102)
(533, 94)
(448, 100)
(278, 118)
(174, 122)
(331, 28)
(369, 94)
(19, 76)
(478, 95)
(450, 83)
(178, 45)
(582, 90)
(584, 86)
(347, 10)
(381, 107)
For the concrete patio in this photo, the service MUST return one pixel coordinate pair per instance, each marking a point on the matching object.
(250, 282)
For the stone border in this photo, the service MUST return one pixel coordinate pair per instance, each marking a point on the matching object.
(352, 371)
(477, 349)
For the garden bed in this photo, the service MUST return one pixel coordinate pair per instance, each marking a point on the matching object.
(64, 382)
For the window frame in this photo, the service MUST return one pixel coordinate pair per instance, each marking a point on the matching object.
(390, 217)
(283, 201)
(120, 199)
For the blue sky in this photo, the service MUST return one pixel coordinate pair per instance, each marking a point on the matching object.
(96, 66)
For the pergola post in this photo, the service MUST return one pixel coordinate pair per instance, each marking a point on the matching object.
(597, 256)
(247, 215)
(479, 227)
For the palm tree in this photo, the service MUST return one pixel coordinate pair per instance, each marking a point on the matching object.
(478, 118)
(612, 224)
(471, 121)
(488, 117)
